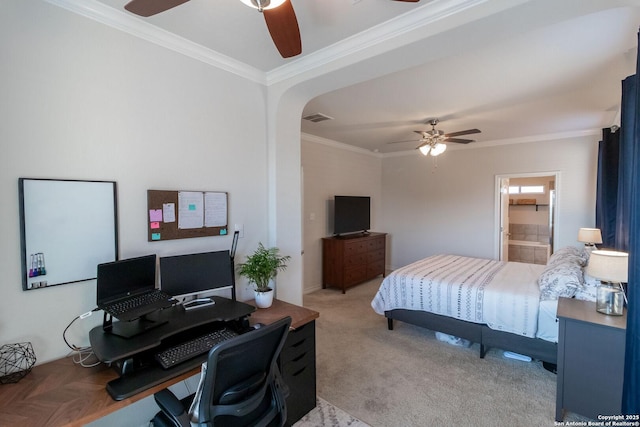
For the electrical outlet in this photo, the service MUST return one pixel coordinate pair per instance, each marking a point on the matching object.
(240, 228)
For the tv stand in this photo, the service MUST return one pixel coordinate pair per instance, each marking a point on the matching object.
(348, 260)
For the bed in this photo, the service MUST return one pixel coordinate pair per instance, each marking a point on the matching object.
(506, 305)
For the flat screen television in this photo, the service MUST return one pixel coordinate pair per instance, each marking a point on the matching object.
(191, 275)
(351, 214)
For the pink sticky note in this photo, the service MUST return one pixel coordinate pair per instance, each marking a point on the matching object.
(155, 215)
(155, 225)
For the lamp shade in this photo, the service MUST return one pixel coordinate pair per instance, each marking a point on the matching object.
(589, 235)
(609, 266)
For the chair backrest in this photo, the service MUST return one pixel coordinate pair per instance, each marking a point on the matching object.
(242, 384)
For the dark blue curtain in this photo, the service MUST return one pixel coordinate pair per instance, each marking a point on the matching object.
(607, 187)
(630, 171)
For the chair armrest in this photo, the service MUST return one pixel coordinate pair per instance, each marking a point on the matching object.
(172, 408)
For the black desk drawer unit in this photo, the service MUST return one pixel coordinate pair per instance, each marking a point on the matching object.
(298, 368)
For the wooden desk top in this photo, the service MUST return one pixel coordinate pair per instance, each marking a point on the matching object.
(60, 393)
(299, 315)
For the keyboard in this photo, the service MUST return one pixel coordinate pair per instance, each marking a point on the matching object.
(192, 348)
(136, 306)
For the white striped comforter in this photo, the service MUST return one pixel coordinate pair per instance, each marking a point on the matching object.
(503, 295)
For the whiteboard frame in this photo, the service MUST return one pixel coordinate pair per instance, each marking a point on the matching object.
(74, 223)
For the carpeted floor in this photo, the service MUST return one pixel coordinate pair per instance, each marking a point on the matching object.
(406, 377)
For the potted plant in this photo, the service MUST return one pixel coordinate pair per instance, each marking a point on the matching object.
(260, 267)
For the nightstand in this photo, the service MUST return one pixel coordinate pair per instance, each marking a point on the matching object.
(590, 360)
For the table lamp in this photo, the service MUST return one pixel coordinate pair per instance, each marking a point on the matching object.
(589, 236)
(611, 268)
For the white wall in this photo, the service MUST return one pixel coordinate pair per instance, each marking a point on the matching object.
(445, 204)
(449, 206)
(329, 170)
(84, 101)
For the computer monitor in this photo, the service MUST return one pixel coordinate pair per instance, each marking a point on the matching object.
(192, 275)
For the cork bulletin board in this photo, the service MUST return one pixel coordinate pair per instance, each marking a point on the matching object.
(186, 214)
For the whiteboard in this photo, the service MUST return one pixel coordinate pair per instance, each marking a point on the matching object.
(70, 225)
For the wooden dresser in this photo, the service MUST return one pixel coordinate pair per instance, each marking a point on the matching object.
(352, 259)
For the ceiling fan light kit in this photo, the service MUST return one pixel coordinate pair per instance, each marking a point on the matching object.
(433, 148)
(433, 141)
(263, 4)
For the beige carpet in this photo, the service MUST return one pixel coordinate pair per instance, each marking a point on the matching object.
(406, 377)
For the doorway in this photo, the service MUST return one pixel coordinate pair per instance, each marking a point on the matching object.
(526, 216)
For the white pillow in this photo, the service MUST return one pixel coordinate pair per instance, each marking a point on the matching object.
(569, 254)
(587, 291)
(561, 278)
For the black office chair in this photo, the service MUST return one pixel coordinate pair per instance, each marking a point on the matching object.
(241, 385)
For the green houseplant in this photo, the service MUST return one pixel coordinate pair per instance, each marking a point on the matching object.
(260, 267)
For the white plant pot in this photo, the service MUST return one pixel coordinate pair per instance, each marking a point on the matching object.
(264, 299)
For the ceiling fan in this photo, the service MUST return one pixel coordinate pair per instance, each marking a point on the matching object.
(278, 14)
(432, 141)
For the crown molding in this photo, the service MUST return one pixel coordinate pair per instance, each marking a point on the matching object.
(394, 28)
(487, 144)
(335, 144)
(400, 25)
(119, 20)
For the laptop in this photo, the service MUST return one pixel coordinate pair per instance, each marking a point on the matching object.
(126, 289)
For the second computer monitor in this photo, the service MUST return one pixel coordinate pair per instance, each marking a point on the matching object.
(195, 274)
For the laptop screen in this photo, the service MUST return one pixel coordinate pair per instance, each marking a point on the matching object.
(125, 277)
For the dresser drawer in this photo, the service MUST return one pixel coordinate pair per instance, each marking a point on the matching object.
(355, 260)
(355, 247)
(355, 275)
(375, 255)
(373, 244)
(375, 268)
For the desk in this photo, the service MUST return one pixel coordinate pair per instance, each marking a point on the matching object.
(60, 393)
(180, 325)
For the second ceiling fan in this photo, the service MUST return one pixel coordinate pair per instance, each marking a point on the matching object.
(432, 141)
(278, 14)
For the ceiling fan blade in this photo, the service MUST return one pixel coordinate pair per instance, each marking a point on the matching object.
(148, 8)
(283, 27)
(410, 1)
(422, 133)
(463, 132)
(459, 141)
